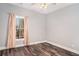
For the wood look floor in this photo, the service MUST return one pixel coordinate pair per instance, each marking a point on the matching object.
(42, 49)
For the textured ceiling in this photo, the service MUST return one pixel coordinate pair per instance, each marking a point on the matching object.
(36, 7)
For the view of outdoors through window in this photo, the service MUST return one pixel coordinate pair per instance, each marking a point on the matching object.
(19, 28)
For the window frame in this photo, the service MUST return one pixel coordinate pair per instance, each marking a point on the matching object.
(19, 28)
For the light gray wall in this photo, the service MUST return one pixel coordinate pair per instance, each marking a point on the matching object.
(36, 23)
(63, 27)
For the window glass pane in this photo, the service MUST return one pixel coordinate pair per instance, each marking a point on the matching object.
(19, 27)
(17, 33)
(17, 23)
(21, 23)
(21, 33)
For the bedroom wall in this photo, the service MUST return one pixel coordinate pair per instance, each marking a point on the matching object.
(63, 27)
(60, 27)
(36, 23)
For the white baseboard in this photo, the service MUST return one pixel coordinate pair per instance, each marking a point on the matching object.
(69, 49)
(31, 43)
(37, 42)
(2, 48)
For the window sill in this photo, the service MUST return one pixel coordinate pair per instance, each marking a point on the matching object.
(20, 39)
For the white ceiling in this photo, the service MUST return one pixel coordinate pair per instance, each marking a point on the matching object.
(36, 7)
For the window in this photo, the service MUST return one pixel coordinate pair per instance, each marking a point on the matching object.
(19, 27)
